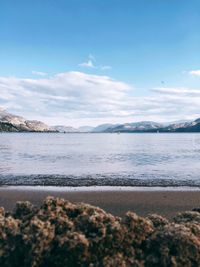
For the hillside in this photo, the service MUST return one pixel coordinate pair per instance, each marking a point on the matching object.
(13, 123)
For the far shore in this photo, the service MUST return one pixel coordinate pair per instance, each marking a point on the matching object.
(116, 200)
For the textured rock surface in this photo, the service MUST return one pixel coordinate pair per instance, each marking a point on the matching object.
(60, 233)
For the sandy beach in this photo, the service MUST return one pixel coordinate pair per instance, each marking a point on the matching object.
(166, 202)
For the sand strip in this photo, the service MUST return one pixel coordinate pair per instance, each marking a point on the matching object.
(164, 202)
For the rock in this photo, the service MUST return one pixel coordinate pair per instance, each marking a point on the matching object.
(61, 233)
(157, 220)
(188, 216)
(173, 245)
(10, 241)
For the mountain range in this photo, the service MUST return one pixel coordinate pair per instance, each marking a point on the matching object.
(14, 123)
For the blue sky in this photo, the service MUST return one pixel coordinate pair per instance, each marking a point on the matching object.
(151, 48)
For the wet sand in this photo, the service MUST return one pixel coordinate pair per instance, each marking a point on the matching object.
(116, 201)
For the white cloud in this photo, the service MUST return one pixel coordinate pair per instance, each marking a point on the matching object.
(195, 72)
(87, 64)
(91, 63)
(39, 73)
(177, 91)
(67, 95)
(77, 98)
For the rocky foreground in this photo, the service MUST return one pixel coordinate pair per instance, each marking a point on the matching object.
(60, 233)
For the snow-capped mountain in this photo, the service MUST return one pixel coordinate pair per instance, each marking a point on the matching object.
(136, 127)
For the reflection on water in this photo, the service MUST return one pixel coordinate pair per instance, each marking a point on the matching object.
(28, 157)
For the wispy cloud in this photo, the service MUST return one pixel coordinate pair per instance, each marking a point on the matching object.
(177, 91)
(92, 57)
(106, 67)
(39, 73)
(87, 64)
(91, 63)
(194, 72)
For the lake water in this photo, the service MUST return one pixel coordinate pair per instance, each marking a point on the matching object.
(100, 159)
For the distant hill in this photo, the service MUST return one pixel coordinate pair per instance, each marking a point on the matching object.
(104, 127)
(13, 123)
(193, 126)
(135, 127)
(150, 126)
(85, 129)
(7, 127)
(176, 122)
(65, 129)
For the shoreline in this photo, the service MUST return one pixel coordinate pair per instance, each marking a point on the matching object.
(166, 201)
(100, 188)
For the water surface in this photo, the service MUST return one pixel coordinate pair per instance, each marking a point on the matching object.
(100, 159)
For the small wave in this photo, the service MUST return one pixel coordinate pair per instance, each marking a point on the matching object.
(94, 180)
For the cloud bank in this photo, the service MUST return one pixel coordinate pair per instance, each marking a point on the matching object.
(76, 98)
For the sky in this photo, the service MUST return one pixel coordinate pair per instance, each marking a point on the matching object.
(88, 62)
